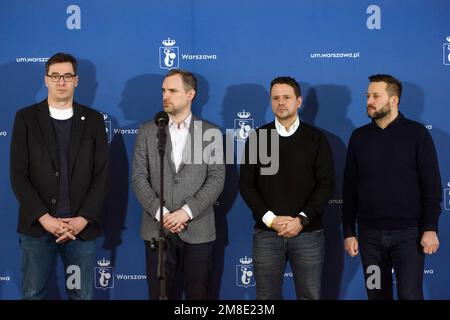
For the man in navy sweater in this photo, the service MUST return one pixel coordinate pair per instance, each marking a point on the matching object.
(392, 187)
(287, 205)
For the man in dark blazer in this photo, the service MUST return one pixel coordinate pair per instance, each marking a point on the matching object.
(58, 168)
(194, 176)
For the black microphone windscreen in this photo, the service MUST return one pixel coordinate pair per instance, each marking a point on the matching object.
(161, 118)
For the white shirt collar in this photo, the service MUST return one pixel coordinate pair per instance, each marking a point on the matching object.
(282, 129)
(184, 124)
(61, 114)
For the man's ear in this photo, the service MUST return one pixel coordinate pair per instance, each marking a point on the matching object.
(299, 102)
(395, 100)
(192, 94)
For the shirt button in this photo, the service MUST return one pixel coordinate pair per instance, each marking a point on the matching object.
(53, 201)
(57, 173)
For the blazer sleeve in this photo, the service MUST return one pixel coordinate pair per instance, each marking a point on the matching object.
(29, 199)
(145, 194)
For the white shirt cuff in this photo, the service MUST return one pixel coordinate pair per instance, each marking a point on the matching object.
(303, 214)
(165, 211)
(188, 211)
(268, 218)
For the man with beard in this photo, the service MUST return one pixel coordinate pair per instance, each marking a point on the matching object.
(392, 186)
(191, 188)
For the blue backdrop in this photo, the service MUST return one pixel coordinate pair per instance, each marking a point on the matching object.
(235, 48)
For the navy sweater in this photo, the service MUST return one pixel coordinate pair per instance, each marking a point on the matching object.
(391, 178)
(62, 133)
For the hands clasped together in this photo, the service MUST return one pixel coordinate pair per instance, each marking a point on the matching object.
(176, 221)
(63, 229)
(286, 226)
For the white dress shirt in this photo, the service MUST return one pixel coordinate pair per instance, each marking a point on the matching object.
(282, 131)
(178, 135)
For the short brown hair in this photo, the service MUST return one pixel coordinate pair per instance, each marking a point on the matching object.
(290, 82)
(394, 86)
(189, 80)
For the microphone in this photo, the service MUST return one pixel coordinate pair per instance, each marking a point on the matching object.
(161, 120)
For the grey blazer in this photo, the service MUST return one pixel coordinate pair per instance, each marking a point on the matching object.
(198, 182)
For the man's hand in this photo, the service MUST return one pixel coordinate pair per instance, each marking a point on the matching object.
(55, 226)
(430, 242)
(351, 246)
(65, 236)
(77, 224)
(293, 228)
(176, 221)
(280, 223)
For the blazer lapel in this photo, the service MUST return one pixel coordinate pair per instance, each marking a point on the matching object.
(168, 154)
(188, 157)
(45, 123)
(78, 121)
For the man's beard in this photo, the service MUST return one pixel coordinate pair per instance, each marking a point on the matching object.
(382, 113)
(170, 109)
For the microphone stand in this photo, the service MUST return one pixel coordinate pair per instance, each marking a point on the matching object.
(162, 240)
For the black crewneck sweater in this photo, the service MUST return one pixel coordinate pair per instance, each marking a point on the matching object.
(304, 181)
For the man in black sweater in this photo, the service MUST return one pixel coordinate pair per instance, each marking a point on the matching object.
(392, 186)
(287, 204)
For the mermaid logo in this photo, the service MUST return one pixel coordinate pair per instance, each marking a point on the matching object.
(243, 125)
(244, 273)
(168, 55)
(104, 275)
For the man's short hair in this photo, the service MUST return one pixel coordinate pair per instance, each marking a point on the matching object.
(59, 58)
(290, 82)
(394, 86)
(189, 80)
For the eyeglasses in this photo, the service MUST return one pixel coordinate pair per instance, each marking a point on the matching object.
(57, 77)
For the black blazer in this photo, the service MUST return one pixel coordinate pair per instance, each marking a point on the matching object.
(35, 169)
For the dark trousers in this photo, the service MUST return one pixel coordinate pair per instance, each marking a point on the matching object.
(187, 269)
(397, 250)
